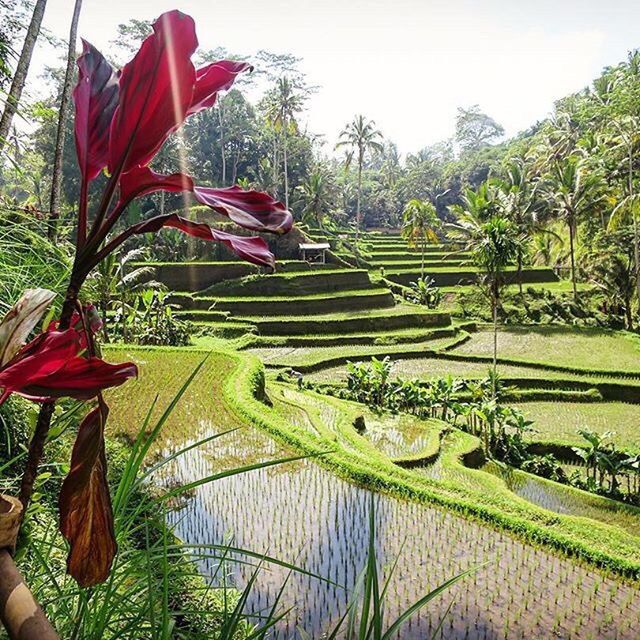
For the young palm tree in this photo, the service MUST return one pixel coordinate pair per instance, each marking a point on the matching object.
(317, 195)
(481, 204)
(594, 451)
(118, 279)
(575, 192)
(548, 246)
(611, 266)
(493, 244)
(520, 201)
(420, 222)
(282, 105)
(360, 136)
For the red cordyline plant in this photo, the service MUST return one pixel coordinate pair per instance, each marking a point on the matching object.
(122, 120)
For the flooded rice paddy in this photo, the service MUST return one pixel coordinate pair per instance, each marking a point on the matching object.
(303, 514)
(561, 499)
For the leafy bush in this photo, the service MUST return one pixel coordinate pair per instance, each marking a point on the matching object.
(425, 292)
(546, 466)
(151, 321)
(369, 383)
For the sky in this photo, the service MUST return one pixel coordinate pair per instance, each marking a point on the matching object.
(406, 64)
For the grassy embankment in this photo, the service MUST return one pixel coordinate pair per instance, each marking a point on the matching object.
(481, 496)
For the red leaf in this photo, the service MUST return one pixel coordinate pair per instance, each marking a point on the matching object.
(43, 356)
(50, 367)
(142, 180)
(96, 98)
(253, 249)
(212, 78)
(156, 88)
(252, 210)
(79, 378)
(86, 517)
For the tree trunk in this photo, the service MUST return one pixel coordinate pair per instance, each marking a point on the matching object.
(636, 240)
(104, 309)
(422, 265)
(286, 168)
(494, 300)
(236, 160)
(573, 260)
(123, 319)
(223, 155)
(22, 68)
(56, 178)
(520, 272)
(359, 196)
(275, 165)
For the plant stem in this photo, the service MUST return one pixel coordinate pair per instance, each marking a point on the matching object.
(43, 424)
(573, 261)
(36, 449)
(495, 341)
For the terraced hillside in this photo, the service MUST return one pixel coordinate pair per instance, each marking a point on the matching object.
(324, 304)
(317, 318)
(447, 264)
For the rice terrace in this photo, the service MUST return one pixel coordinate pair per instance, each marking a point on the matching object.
(294, 346)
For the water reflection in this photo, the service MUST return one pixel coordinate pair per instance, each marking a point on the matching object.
(305, 515)
(560, 499)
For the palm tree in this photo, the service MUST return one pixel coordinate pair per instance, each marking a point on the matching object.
(317, 195)
(548, 246)
(624, 97)
(282, 105)
(56, 178)
(629, 203)
(520, 201)
(22, 68)
(262, 176)
(420, 222)
(575, 192)
(481, 204)
(611, 265)
(360, 136)
(493, 245)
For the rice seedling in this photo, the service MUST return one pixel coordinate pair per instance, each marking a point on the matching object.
(596, 349)
(560, 421)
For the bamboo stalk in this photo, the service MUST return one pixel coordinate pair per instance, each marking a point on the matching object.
(20, 614)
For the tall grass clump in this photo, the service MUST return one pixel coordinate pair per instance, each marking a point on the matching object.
(28, 259)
